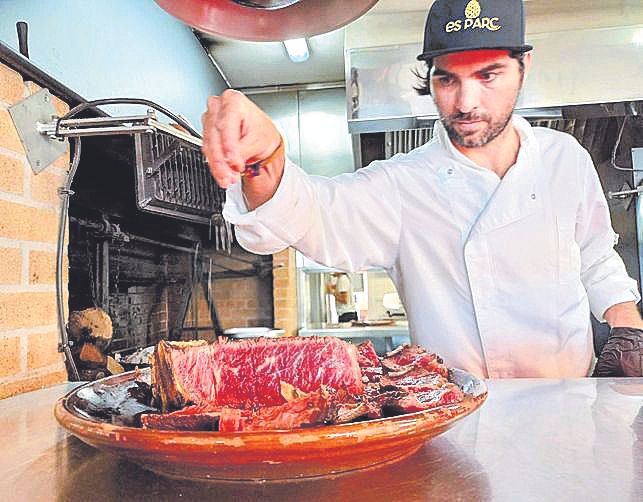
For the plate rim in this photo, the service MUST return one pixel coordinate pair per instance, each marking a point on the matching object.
(65, 416)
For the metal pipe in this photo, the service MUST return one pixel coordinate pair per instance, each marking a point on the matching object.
(293, 87)
(104, 274)
(145, 240)
(50, 130)
(65, 193)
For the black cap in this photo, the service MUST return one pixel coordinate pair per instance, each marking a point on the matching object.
(466, 25)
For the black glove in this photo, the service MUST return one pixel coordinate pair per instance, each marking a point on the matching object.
(622, 355)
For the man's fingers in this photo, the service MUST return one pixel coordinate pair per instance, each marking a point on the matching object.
(259, 143)
(235, 133)
(229, 124)
(212, 144)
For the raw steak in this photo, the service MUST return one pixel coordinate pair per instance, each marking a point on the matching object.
(248, 374)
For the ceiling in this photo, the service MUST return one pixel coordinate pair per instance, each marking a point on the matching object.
(259, 64)
(264, 64)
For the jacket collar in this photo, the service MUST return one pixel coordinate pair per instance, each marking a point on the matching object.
(527, 140)
(518, 194)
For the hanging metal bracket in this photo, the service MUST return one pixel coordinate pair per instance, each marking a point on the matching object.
(27, 115)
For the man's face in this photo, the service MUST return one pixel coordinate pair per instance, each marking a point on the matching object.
(475, 93)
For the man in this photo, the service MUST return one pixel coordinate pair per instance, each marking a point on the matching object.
(496, 234)
(340, 287)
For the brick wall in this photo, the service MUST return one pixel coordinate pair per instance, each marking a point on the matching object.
(285, 291)
(250, 301)
(28, 231)
(243, 302)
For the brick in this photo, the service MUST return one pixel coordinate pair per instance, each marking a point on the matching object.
(63, 160)
(10, 360)
(11, 85)
(282, 256)
(44, 186)
(42, 267)
(11, 265)
(24, 310)
(33, 383)
(284, 313)
(11, 174)
(281, 273)
(8, 135)
(42, 350)
(284, 292)
(281, 283)
(27, 223)
(32, 87)
(61, 107)
(285, 303)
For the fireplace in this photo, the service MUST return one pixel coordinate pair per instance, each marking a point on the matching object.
(158, 276)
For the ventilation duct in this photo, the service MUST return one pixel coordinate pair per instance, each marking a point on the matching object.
(588, 62)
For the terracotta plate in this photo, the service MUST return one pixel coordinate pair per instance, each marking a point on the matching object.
(101, 414)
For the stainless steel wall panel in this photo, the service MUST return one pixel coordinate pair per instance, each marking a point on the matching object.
(283, 108)
(570, 68)
(326, 145)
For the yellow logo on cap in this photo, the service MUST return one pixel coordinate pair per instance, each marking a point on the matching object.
(472, 9)
(473, 20)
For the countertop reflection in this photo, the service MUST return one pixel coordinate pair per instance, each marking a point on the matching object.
(533, 439)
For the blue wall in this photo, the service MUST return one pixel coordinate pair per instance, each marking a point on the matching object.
(116, 48)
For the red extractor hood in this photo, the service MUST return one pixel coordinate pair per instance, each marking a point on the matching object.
(266, 20)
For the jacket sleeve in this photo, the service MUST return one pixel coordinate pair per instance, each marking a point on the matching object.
(350, 222)
(602, 270)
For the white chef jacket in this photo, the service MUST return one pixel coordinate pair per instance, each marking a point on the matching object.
(497, 276)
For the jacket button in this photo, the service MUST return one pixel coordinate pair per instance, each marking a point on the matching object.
(533, 196)
(450, 171)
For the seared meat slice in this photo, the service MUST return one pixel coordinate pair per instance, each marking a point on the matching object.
(413, 357)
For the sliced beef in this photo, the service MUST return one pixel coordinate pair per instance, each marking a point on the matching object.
(367, 355)
(400, 401)
(448, 394)
(248, 374)
(413, 357)
(183, 422)
(232, 419)
(369, 362)
(310, 410)
(412, 383)
(282, 384)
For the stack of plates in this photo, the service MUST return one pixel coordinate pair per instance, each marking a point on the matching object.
(253, 332)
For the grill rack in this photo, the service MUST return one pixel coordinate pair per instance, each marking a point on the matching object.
(173, 179)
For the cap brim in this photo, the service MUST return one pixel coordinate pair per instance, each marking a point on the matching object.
(426, 56)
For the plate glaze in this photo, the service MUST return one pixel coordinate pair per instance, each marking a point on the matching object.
(102, 414)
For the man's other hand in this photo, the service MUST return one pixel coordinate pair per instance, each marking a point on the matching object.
(622, 355)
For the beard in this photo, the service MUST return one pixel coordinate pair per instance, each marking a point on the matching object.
(495, 125)
(475, 139)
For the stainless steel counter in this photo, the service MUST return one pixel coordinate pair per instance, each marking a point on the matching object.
(532, 440)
